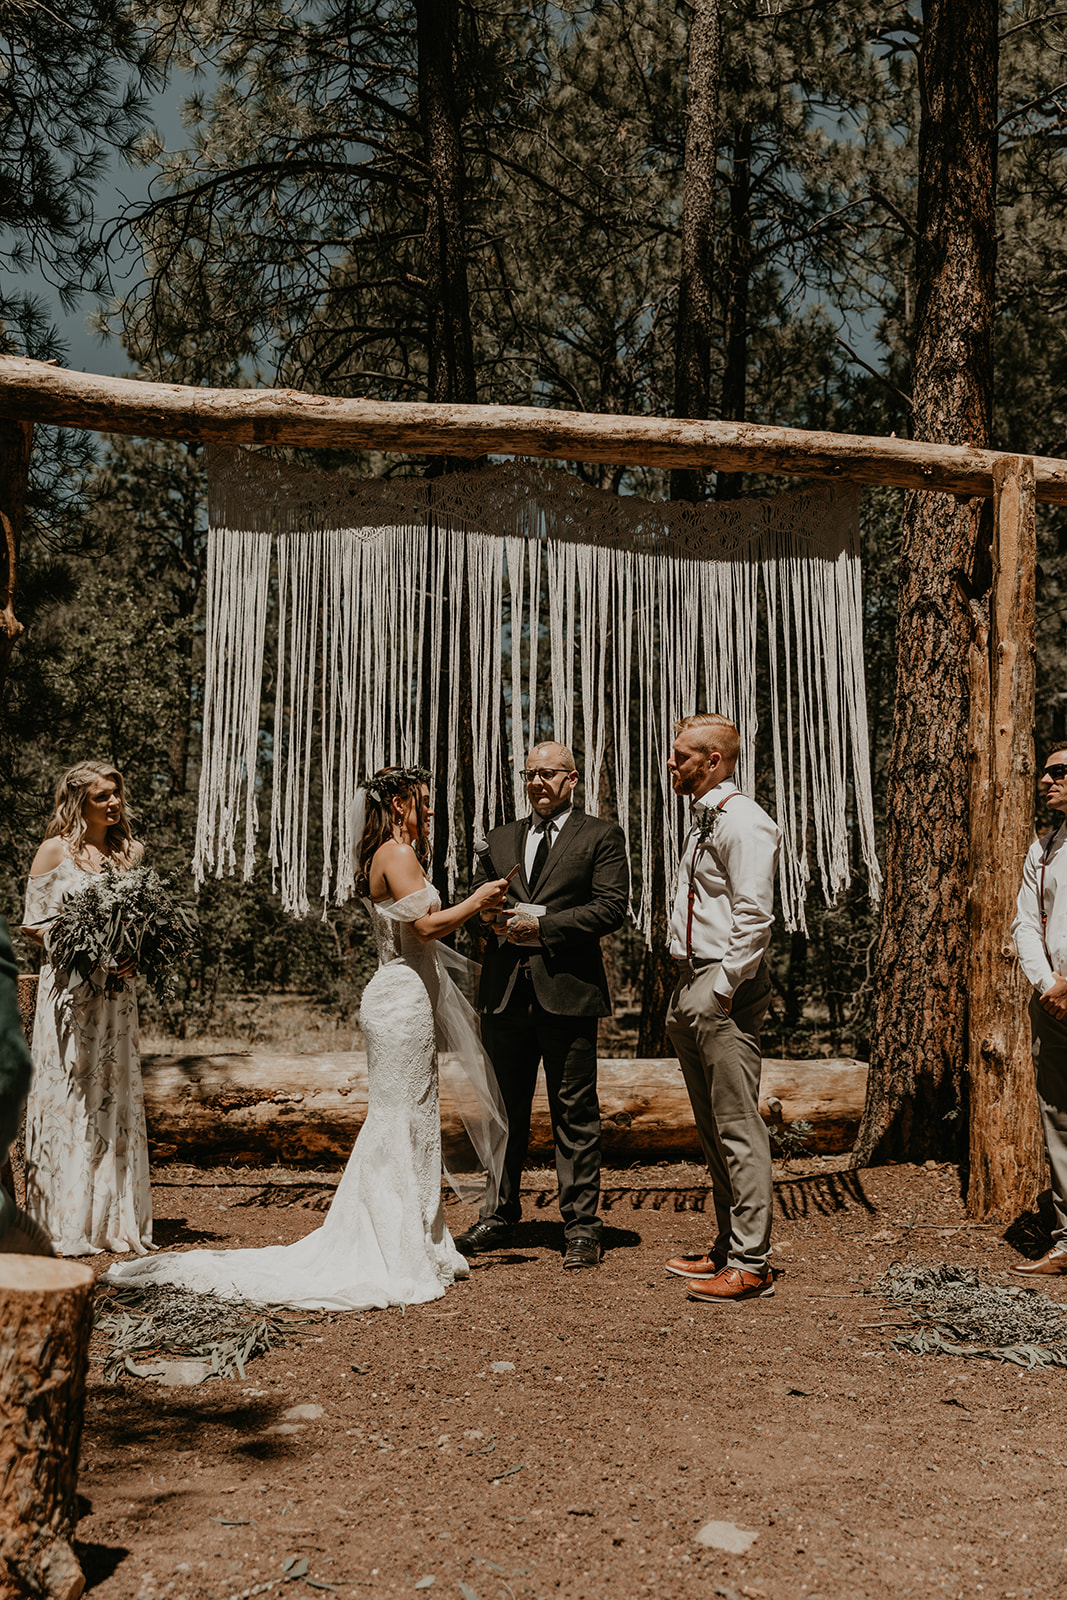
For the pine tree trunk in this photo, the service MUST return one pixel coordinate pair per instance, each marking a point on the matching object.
(738, 268)
(44, 1351)
(918, 1045)
(692, 398)
(450, 343)
(1007, 1166)
(692, 351)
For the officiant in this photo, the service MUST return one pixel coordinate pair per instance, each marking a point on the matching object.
(543, 989)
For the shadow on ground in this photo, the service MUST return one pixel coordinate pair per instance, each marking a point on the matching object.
(168, 1231)
(98, 1561)
(1031, 1233)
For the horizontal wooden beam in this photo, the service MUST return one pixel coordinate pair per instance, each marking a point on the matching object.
(34, 391)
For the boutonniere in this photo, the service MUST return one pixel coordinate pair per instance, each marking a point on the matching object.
(707, 819)
(706, 822)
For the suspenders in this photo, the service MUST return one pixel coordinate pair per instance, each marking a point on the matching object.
(1046, 852)
(692, 882)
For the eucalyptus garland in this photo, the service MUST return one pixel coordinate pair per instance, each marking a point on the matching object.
(385, 786)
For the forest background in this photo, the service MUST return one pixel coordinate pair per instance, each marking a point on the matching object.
(631, 206)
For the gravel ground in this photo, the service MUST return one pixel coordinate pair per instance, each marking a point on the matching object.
(538, 1433)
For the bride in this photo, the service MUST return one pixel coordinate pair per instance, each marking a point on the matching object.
(384, 1240)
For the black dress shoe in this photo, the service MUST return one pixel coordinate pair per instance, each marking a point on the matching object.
(487, 1235)
(583, 1253)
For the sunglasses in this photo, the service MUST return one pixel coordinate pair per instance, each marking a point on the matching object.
(1056, 772)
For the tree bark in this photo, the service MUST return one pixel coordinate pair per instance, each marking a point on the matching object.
(738, 269)
(37, 392)
(918, 1045)
(307, 1110)
(450, 342)
(44, 1350)
(692, 398)
(1007, 1167)
(16, 440)
(693, 338)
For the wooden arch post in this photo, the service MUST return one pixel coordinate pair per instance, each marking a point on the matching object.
(1006, 1148)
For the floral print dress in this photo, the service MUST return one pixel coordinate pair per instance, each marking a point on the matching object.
(87, 1178)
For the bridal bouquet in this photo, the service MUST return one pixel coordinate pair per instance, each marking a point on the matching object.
(118, 922)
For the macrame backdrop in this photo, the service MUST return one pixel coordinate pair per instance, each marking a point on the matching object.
(613, 614)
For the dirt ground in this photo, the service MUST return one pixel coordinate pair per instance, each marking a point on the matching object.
(538, 1433)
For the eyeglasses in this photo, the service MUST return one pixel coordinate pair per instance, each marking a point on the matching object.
(543, 774)
(1056, 772)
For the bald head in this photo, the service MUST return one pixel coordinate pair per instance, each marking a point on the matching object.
(550, 754)
(551, 778)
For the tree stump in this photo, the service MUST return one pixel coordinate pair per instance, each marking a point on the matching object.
(44, 1350)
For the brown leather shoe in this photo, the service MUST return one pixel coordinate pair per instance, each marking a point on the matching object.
(733, 1283)
(695, 1266)
(1052, 1262)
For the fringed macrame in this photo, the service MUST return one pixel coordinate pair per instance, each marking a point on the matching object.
(589, 617)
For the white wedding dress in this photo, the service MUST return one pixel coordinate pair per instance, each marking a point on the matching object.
(87, 1177)
(384, 1240)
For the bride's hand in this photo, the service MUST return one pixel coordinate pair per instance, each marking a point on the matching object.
(491, 896)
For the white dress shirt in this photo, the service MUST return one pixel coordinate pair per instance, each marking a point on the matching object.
(1043, 954)
(551, 827)
(733, 879)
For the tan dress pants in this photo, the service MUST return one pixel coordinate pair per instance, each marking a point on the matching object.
(720, 1060)
(1049, 1045)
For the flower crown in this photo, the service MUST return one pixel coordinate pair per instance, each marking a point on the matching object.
(385, 786)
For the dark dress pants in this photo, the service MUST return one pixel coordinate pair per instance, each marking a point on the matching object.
(517, 1040)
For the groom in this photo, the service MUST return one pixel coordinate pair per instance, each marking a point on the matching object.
(542, 989)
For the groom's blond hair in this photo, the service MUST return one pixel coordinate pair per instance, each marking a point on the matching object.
(712, 731)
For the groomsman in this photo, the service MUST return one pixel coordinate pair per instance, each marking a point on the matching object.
(543, 989)
(1040, 933)
(720, 929)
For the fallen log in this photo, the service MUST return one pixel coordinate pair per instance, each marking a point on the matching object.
(306, 1110)
(44, 1350)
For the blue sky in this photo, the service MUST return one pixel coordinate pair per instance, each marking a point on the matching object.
(86, 352)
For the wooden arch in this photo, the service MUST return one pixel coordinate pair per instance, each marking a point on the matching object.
(1003, 1111)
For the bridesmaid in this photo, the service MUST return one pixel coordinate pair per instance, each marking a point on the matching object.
(87, 1180)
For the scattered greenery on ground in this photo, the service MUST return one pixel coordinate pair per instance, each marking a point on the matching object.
(139, 1326)
(957, 1314)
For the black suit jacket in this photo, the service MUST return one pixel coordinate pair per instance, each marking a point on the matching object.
(585, 886)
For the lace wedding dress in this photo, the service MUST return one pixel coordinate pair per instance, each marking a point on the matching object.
(87, 1179)
(384, 1240)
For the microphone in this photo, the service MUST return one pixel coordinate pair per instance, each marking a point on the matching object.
(481, 850)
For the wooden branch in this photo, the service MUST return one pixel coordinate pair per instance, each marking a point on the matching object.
(33, 391)
(307, 1110)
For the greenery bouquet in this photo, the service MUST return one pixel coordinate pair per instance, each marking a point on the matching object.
(118, 922)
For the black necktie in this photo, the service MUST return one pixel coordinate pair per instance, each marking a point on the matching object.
(544, 844)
